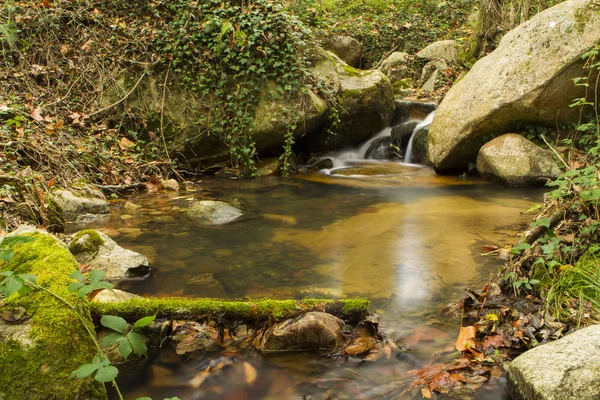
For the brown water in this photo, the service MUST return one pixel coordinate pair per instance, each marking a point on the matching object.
(409, 242)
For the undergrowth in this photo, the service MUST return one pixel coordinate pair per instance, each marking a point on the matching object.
(559, 254)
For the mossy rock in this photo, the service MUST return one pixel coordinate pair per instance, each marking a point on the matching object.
(38, 356)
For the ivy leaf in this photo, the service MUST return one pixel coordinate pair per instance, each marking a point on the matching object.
(28, 277)
(137, 342)
(545, 222)
(115, 323)
(14, 240)
(6, 273)
(100, 285)
(85, 370)
(6, 254)
(142, 322)
(106, 374)
(84, 290)
(520, 247)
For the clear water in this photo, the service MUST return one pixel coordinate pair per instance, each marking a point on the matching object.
(410, 242)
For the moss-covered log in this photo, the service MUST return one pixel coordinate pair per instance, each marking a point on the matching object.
(40, 350)
(251, 312)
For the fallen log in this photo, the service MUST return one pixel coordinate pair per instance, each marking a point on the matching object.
(247, 312)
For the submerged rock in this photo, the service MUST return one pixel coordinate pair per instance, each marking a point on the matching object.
(568, 368)
(80, 201)
(212, 212)
(312, 331)
(205, 285)
(514, 160)
(101, 252)
(528, 78)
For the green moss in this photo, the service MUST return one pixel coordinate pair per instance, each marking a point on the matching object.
(87, 246)
(56, 219)
(350, 71)
(244, 311)
(60, 343)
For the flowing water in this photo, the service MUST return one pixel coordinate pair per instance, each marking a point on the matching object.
(410, 242)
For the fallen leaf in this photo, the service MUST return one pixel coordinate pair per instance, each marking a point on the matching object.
(199, 378)
(125, 144)
(466, 338)
(424, 333)
(36, 114)
(493, 341)
(426, 393)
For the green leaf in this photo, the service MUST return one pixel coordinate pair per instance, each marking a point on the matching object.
(85, 370)
(142, 322)
(100, 285)
(75, 286)
(84, 290)
(106, 374)
(545, 222)
(96, 275)
(77, 275)
(520, 247)
(534, 281)
(13, 285)
(115, 323)
(112, 338)
(125, 348)
(6, 273)
(14, 240)
(6, 254)
(137, 342)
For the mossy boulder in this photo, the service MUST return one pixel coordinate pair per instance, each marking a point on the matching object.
(366, 107)
(38, 354)
(97, 250)
(78, 201)
(528, 78)
(514, 160)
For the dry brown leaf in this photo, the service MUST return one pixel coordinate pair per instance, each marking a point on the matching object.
(466, 338)
(493, 341)
(36, 114)
(125, 144)
(424, 333)
(426, 393)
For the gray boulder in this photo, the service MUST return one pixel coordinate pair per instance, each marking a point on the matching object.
(345, 47)
(113, 296)
(312, 331)
(212, 212)
(79, 201)
(528, 78)
(514, 160)
(443, 50)
(367, 106)
(100, 252)
(568, 368)
(395, 66)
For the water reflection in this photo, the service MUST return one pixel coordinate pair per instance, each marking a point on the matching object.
(409, 243)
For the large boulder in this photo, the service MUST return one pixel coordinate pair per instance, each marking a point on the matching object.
(78, 201)
(45, 340)
(345, 47)
(97, 250)
(568, 368)
(312, 331)
(447, 50)
(367, 106)
(528, 78)
(514, 160)
(395, 66)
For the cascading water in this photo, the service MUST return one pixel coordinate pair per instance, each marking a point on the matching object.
(426, 122)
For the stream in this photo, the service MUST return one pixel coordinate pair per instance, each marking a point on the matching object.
(410, 242)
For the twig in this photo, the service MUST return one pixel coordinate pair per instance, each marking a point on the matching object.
(122, 99)
(555, 152)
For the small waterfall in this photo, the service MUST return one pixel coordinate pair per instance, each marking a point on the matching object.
(427, 121)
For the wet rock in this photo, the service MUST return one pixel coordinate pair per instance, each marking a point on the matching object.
(411, 110)
(211, 212)
(79, 200)
(113, 296)
(375, 169)
(514, 160)
(528, 78)
(97, 250)
(568, 368)
(170, 185)
(447, 50)
(381, 149)
(419, 149)
(268, 166)
(312, 331)
(401, 133)
(319, 163)
(205, 285)
(345, 47)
